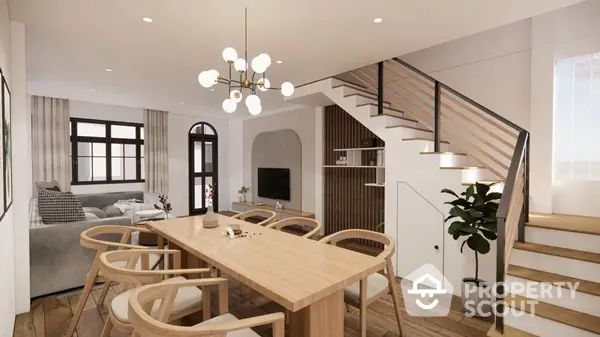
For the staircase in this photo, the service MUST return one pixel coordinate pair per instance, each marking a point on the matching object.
(438, 138)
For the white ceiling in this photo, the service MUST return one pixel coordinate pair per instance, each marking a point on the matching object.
(71, 42)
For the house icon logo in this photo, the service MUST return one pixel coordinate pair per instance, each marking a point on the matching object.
(427, 292)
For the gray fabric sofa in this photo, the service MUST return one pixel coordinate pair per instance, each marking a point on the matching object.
(58, 261)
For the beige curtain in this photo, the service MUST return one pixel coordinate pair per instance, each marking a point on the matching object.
(50, 140)
(156, 151)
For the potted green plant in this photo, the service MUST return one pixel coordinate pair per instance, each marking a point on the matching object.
(473, 217)
(243, 190)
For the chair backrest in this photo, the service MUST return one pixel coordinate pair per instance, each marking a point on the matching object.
(386, 240)
(312, 223)
(263, 213)
(142, 301)
(88, 238)
(132, 267)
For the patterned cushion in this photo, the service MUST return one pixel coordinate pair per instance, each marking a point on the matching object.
(57, 207)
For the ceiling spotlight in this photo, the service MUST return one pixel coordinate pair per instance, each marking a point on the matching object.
(279, 61)
(147, 20)
(94, 89)
(181, 102)
(108, 69)
(378, 20)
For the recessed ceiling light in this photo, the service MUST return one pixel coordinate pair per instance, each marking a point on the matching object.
(279, 61)
(147, 20)
(108, 69)
(94, 89)
(378, 20)
(181, 102)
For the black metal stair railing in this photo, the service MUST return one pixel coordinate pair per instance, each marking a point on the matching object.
(499, 144)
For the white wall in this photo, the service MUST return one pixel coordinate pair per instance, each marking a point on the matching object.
(179, 127)
(302, 121)
(564, 33)
(89, 110)
(22, 166)
(7, 234)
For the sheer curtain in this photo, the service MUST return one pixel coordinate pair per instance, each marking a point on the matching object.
(51, 146)
(577, 119)
(156, 147)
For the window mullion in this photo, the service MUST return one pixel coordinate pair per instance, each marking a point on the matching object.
(108, 153)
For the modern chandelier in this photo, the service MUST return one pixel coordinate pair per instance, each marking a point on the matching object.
(258, 80)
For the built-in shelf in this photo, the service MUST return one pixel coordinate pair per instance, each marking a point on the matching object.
(361, 149)
(353, 166)
(374, 185)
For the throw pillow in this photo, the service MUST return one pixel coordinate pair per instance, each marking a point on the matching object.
(54, 188)
(57, 207)
(96, 211)
(112, 211)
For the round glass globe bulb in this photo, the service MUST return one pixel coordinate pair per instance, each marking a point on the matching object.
(236, 96)
(256, 110)
(259, 65)
(263, 84)
(287, 89)
(240, 65)
(229, 54)
(266, 59)
(205, 79)
(229, 105)
(252, 101)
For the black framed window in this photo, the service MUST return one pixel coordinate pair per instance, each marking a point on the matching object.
(106, 152)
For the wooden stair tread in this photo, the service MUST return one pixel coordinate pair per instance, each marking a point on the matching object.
(558, 314)
(462, 167)
(365, 96)
(384, 113)
(425, 139)
(569, 223)
(341, 80)
(558, 251)
(450, 153)
(487, 182)
(508, 332)
(585, 286)
(408, 127)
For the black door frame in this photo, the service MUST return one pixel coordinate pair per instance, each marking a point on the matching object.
(193, 138)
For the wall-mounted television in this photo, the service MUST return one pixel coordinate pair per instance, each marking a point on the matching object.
(274, 183)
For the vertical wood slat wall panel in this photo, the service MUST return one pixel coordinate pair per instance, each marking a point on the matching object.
(348, 203)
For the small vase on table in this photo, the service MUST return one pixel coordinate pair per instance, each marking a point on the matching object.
(210, 219)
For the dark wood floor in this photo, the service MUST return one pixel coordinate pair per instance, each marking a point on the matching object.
(50, 317)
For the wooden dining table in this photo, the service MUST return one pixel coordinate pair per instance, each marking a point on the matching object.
(302, 275)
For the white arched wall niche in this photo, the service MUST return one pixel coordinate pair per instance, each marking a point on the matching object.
(302, 122)
(278, 149)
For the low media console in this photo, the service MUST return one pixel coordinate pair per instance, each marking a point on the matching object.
(281, 213)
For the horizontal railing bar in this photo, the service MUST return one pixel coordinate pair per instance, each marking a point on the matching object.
(455, 92)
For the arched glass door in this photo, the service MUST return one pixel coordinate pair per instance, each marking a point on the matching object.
(203, 167)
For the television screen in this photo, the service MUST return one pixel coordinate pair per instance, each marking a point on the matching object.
(274, 183)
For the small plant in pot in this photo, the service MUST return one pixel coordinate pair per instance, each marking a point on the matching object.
(473, 219)
(242, 192)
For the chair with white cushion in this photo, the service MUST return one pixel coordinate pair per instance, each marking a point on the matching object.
(269, 216)
(150, 308)
(102, 239)
(314, 225)
(376, 285)
(120, 267)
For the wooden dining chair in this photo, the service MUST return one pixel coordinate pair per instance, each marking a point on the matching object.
(120, 266)
(149, 319)
(313, 224)
(269, 216)
(102, 239)
(370, 289)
